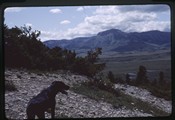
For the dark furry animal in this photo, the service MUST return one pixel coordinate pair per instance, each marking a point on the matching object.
(45, 101)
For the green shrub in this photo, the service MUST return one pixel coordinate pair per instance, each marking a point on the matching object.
(110, 76)
(105, 85)
(160, 88)
(142, 76)
(166, 94)
(23, 49)
(122, 99)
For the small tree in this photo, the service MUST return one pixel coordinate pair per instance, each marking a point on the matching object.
(119, 79)
(161, 78)
(110, 76)
(93, 56)
(91, 62)
(154, 82)
(128, 80)
(141, 75)
(88, 65)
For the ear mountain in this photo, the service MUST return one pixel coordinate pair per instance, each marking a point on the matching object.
(117, 41)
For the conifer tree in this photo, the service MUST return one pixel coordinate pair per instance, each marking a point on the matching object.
(142, 75)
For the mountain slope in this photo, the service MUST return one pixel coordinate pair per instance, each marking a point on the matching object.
(73, 105)
(116, 40)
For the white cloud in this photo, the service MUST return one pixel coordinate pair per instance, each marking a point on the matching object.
(80, 9)
(53, 35)
(47, 35)
(107, 17)
(55, 11)
(118, 17)
(13, 9)
(144, 8)
(28, 24)
(106, 10)
(64, 22)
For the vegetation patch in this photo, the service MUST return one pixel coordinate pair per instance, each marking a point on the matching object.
(158, 91)
(159, 87)
(122, 99)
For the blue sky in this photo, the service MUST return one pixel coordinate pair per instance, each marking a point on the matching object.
(80, 21)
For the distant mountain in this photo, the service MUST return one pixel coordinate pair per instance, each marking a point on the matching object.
(116, 40)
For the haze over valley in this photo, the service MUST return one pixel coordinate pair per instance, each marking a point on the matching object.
(124, 52)
(115, 40)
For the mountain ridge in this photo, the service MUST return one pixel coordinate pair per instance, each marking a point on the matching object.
(116, 40)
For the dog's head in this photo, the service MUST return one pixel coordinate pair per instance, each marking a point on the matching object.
(60, 87)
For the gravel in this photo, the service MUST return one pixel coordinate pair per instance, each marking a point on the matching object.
(146, 96)
(72, 106)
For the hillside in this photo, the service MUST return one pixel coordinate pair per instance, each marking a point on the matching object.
(116, 40)
(74, 105)
(33, 67)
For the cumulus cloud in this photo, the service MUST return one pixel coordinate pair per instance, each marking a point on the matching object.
(131, 19)
(47, 35)
(13, 9)
(126, 18)
(64, 22)
(144, 8)
(83, 8)
(80, 9)
(145, 26)
(28, 24)
(55, 11)
(106, 10)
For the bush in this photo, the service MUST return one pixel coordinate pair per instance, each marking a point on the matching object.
(120, 80)
(111, 77)
(161, 79)
(105, 85)
(161, 93)
(142, 76)
(128, 101)
(23, 49)
(157, 90)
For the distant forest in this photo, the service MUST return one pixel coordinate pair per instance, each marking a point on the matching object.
(23, 49)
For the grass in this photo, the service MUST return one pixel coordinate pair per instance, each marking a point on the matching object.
(118, 101)
(159, 91)
(131, 64)
(89, 91)
(120, 68)
(144, 106)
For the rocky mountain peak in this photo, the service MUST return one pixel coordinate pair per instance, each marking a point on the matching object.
(116, 40)
(111, 31)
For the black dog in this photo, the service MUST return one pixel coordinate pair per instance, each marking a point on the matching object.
(45, 101)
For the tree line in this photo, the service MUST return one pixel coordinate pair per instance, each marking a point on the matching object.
(159, 87)
(23, 49)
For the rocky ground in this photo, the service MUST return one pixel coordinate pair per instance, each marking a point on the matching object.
(74, 105)
(146, 96)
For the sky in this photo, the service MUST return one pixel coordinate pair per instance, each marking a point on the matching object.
(82, 21)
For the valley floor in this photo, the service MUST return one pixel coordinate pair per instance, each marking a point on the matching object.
(74, 105)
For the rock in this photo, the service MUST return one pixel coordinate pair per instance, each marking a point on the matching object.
(132, 103)
(146, 96)
(103, 108)
(72, 106)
